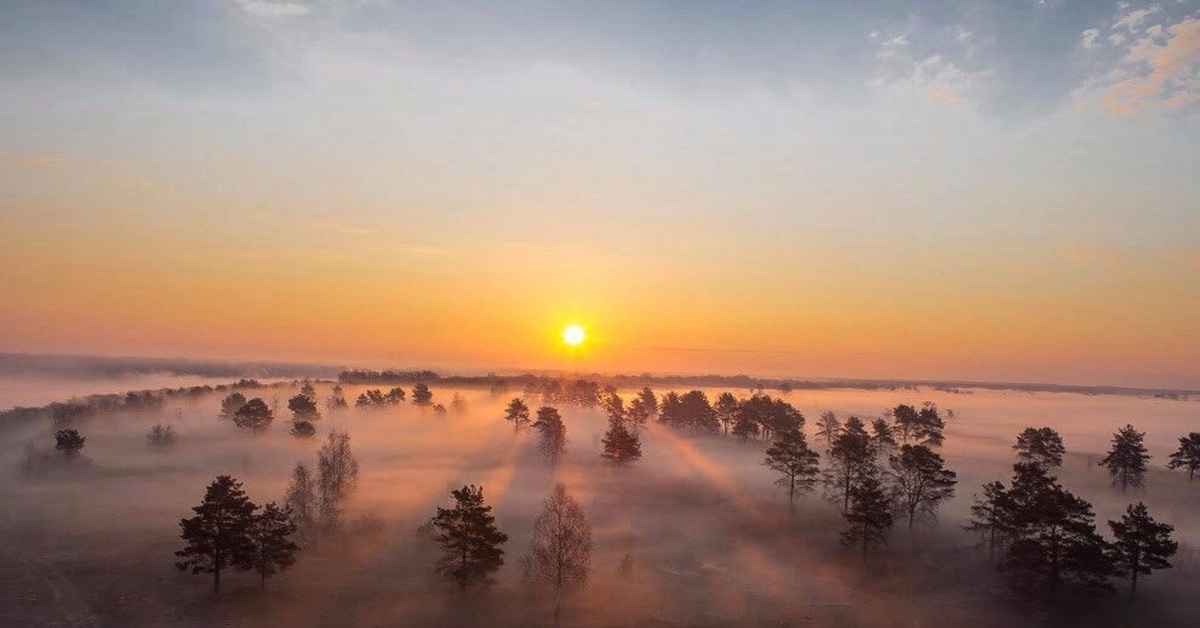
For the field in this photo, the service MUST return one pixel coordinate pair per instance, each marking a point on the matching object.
(694, 534)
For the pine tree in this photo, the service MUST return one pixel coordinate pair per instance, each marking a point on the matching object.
(336, 400)
(1142, 544)
(421, 395)
(881, 436)
(1041, 446)
(553, 433)
(828, 428)
(471, 542)
(517, 412)
(1187, 456)
(621, 446)
(637, 413)
(270, 532)
(726, 409)
(869, 517)
(303, 408)
(308, 391)
(920, 481)
(393, 397)
(1126, 460)
(253, 415)
(301, 500)
(560, 553)
(796, 464)
(231, 404)
(649, 400)
(851, 457)
(217, 536)
(991, 517)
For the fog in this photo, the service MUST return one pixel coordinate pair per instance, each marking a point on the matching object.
(710, 538)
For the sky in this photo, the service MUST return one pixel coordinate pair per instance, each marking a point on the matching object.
(971, 190)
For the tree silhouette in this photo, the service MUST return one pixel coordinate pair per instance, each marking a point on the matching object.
(1187, 456)
(553, 433)
(1041, 446)
(337, 477)
(1054, 536)
(637, 413)
(421, 395)
(869, 517)
(231, 404)
(336, 400)
(303, 408)
(991, 517)
(1126, 460)
(217, 537)
(161, 435)
(560, 553)
(922, 427)
(726, 409)
(69, 442)
(270, 534)
(253, 415)
(882, 438)
(301, 499)
(620, 445)
(308, 391)
(471, 542)
(649, 400)
(797, 465)
(920, 481)
(303, 429)
(1142, 544)
(828, 428)
(518, 413)
(851, 458)
(394, 397)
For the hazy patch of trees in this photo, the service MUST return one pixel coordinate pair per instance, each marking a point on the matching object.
(161, 435)
(68, 442)
(621, 445)
(304, 407)
(254, 415)
(336, 400)
(553, 433)
(421, 395)
(337, 477)
(303, 429)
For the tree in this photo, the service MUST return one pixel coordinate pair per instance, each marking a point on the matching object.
(517, 412)
(308, 391)
(231, 404)
(421, 395)
(337, 477)
(882, 438)
(217, 537)
(303, 429)
(637, 413)
(253, 415)
(161, 435)
(726, 409)
(697, 412)
(1055, 543)
(1126, 460)
(394, 397)
(303, 408)
(471, 542)
(560, 553)
(614, 406)
(620, 444)
(554, 433)
(746, 423)
(922, 427)
(336, 400)
(1041, 446)
(301, 499)
(270, 533)
(851, 458)
(869, 517)
(1142, 544)
(991, 517)
(920, 481)
(1187, 456)
(796, 464)
(69, 442)
(828, 428)
(650, 401)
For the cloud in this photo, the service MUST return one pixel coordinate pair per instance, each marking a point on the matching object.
(1170, 71)
(1132, 20)
(266, 8)
(33, 162)
(1089, 39)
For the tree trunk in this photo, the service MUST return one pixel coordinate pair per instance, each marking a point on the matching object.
(792, 493)
(1133, 584)
(558, 606)
(217, 581)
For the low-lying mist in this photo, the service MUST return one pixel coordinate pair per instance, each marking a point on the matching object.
(695, 533)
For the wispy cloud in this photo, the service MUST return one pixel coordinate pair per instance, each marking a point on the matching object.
(1088, 40)
(266, 8)
(1166, 66)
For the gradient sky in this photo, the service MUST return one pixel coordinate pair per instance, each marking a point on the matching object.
(983, 190)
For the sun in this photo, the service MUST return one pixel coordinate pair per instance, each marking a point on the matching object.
(573, 335)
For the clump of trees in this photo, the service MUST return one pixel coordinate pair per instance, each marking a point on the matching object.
(304, 408)
(228, 532)
(336, 400)
(161, 435)
(421, 395)
(1126, 460)
(254, 415)
(376, 398)
(549, 425)
(231, 404)
(303, 429)
(69, 442)
(472, 545)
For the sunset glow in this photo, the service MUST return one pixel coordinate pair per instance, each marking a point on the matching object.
(573, 335)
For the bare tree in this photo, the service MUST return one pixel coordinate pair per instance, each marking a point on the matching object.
(337, 476)
(560, 552)
(301, 498)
